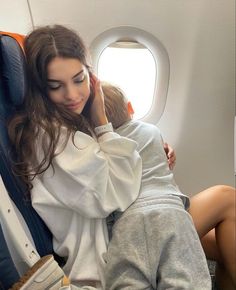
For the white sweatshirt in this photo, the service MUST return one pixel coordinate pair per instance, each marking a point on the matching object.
(91, 179)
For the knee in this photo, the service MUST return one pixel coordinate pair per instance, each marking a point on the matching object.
(225, 191)
(227, 195)
(225, 188)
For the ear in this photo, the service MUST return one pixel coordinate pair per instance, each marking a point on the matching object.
(130, 108)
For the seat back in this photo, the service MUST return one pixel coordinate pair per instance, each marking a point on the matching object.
(12, 91)
(8, 271)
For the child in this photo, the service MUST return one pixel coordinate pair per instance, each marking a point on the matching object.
(154, 243)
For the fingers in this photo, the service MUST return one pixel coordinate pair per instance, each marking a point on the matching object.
(93, 80)
(92, 77)
(95, 84)
(97, 107)
(171, 159)
(166, 148)
(170, 153)
(171, 162)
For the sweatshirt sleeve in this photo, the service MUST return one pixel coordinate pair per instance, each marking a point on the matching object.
(93, 178)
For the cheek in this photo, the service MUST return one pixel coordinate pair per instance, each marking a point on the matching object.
(55, 97)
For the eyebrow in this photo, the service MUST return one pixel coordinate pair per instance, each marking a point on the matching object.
(76, 75)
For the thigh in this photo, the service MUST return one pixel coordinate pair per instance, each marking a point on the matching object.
(210, 207)
(213, 213)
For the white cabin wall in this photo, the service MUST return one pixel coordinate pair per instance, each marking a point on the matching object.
(204, 133)
(15, 16)
(199, 38)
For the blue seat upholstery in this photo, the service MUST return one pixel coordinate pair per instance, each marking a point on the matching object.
(8, 272)
(12, 90)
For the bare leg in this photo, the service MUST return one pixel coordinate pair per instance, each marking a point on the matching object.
(213, 213)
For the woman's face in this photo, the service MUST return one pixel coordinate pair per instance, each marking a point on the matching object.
(68, 83)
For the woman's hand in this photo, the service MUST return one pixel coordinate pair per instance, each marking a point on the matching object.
(97, 109)
(170, 154)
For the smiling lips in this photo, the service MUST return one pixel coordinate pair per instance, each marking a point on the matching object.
(74, 106)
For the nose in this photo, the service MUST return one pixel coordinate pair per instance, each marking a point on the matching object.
(71, 92)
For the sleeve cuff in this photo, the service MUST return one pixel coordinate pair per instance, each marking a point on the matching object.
(103, 129)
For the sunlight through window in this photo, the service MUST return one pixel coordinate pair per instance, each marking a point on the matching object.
(132, 67)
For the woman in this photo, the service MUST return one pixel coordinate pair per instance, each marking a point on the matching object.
(78, 172)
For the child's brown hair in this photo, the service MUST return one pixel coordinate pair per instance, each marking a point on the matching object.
(116, 105)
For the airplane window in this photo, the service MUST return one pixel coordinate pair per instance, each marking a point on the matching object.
(137, 62)
(132, 67)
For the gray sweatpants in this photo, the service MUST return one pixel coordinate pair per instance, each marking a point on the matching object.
(155, 246)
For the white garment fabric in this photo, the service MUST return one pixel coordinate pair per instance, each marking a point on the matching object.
(91, 179)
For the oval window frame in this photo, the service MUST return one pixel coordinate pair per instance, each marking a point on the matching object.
(130, 33)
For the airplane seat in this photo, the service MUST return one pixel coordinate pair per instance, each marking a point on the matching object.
(8, 272)
(12, 90)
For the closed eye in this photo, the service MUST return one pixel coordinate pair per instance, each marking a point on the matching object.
(54, 86)
(79, 79)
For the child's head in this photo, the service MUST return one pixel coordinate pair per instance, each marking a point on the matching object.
(118, 109)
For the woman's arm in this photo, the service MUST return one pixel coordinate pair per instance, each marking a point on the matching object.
(92, 178)
(170, 154)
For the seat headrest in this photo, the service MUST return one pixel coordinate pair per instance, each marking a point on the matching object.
(12, 67)
(18, 37)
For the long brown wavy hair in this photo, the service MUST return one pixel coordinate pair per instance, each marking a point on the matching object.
(39, 118)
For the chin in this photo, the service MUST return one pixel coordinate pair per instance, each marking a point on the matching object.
(78, 111)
